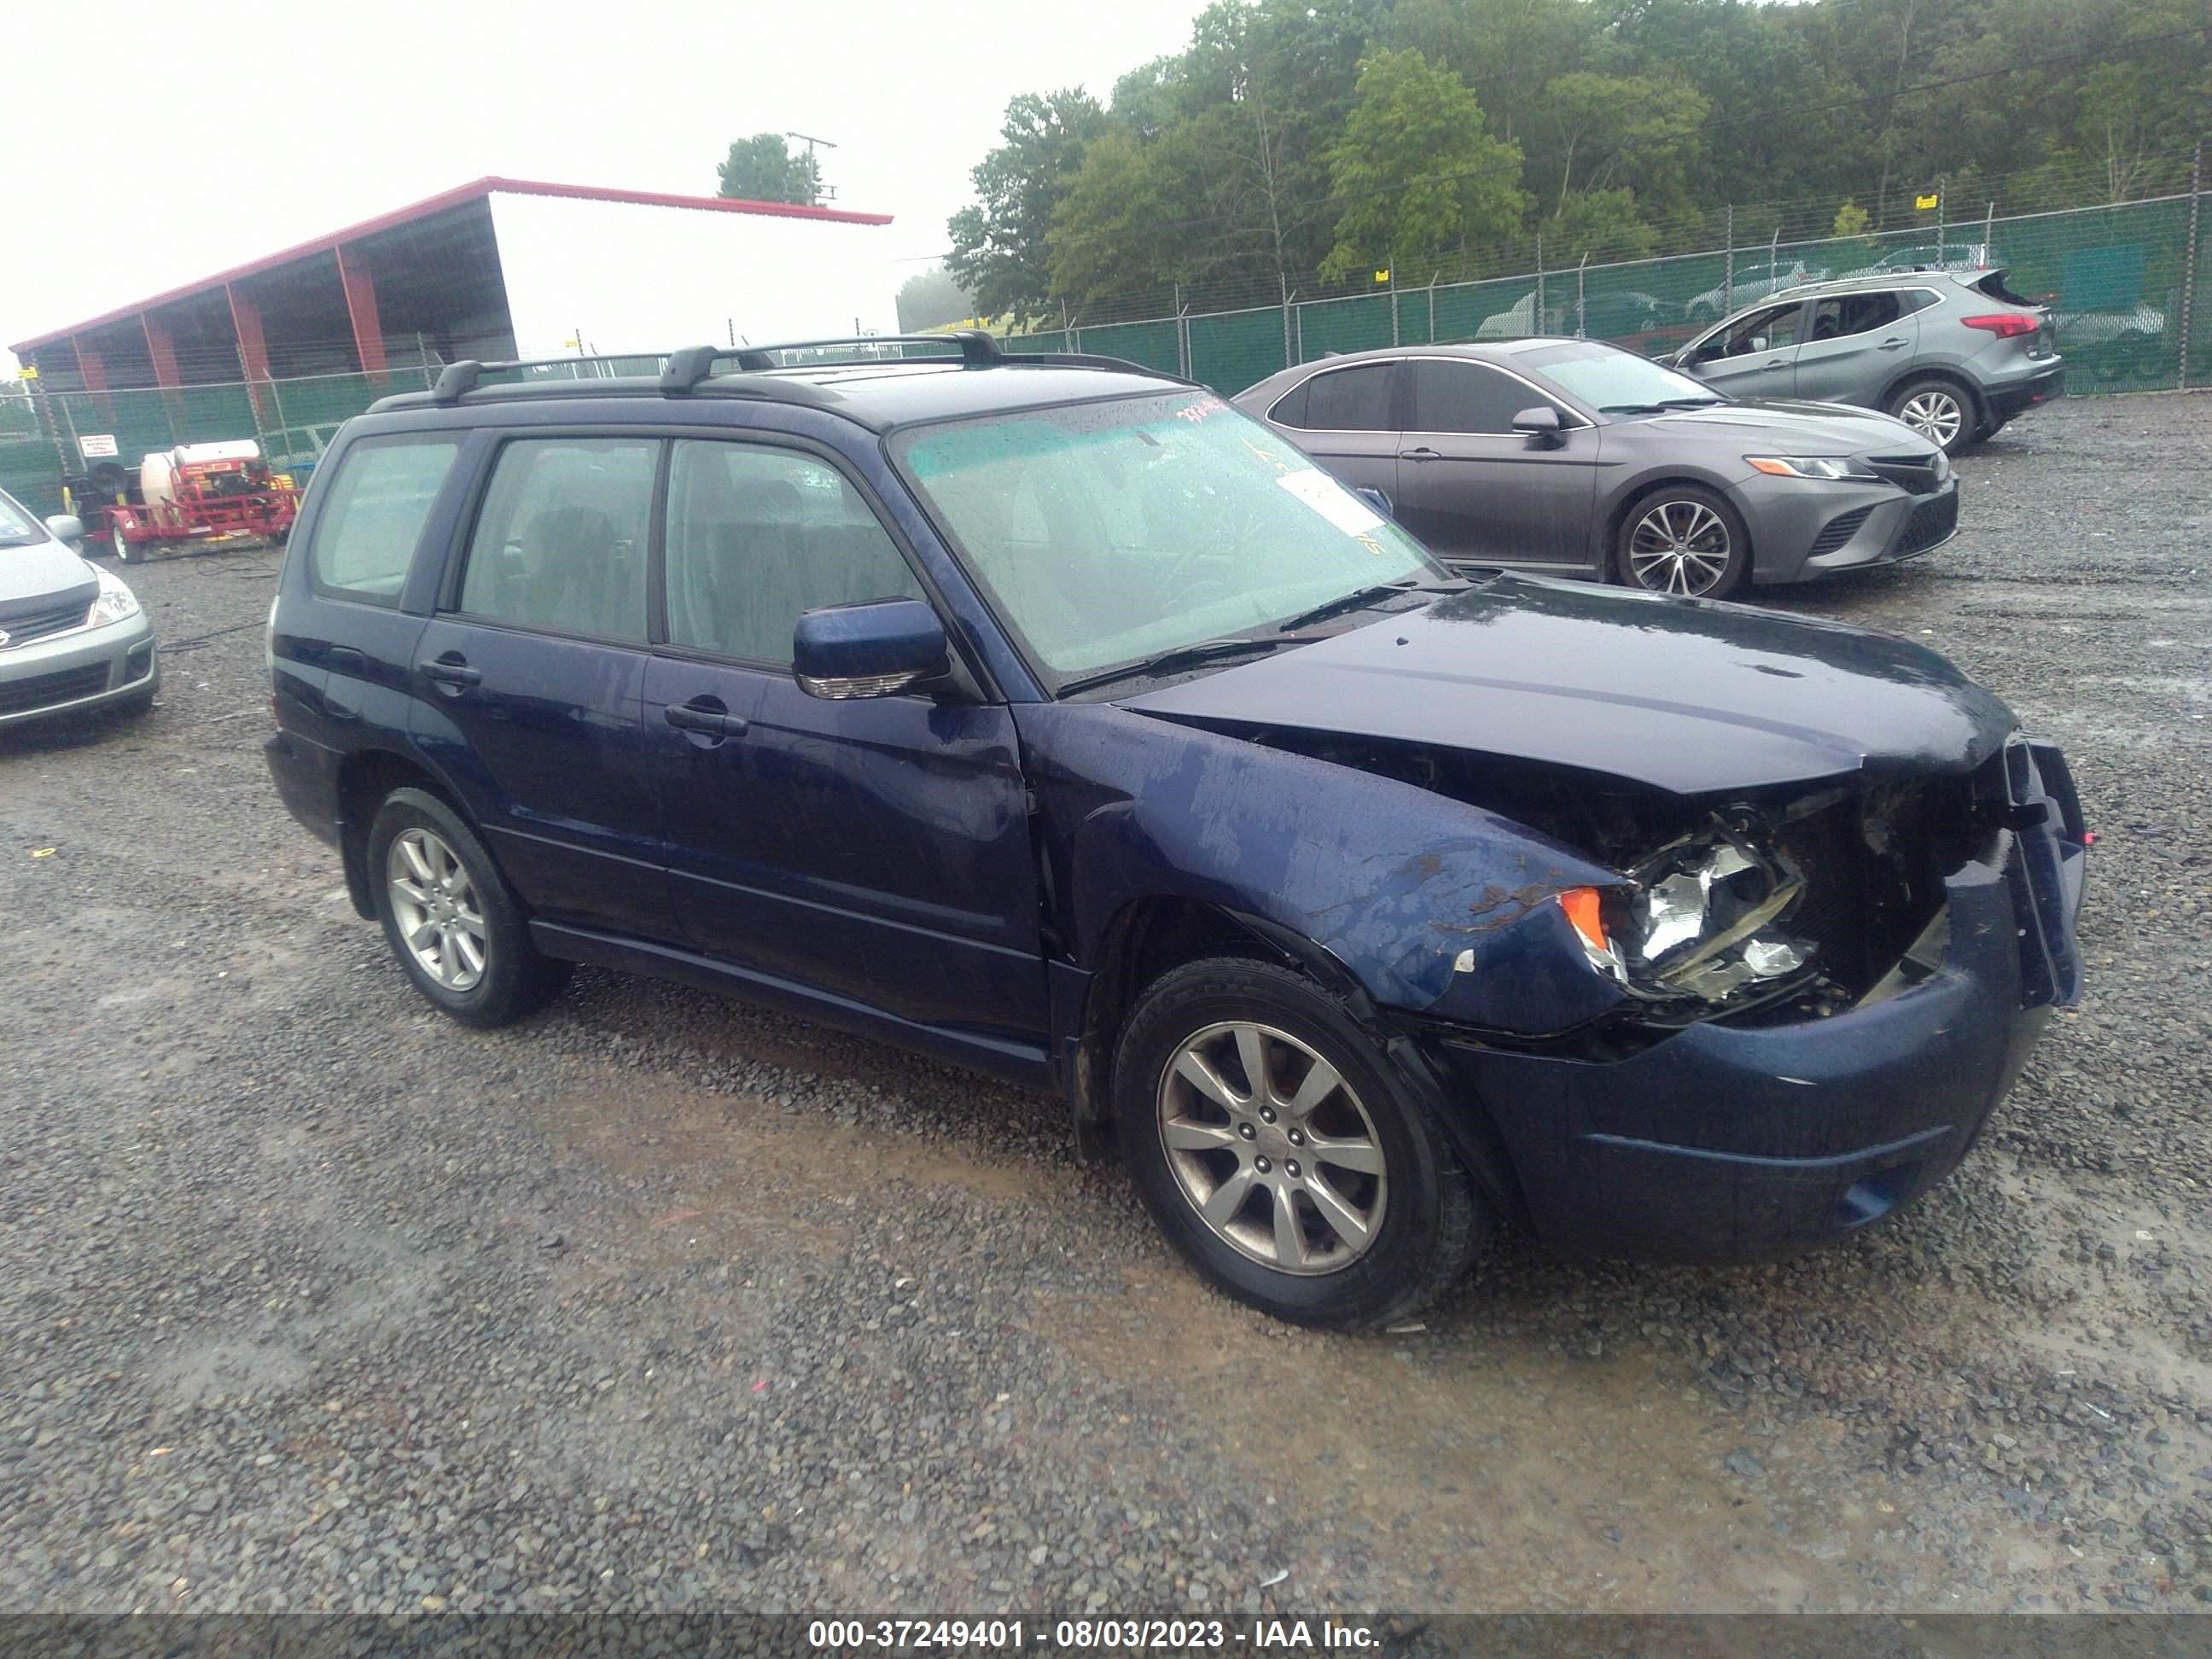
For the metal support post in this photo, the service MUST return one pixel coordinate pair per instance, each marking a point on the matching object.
(2190, 259)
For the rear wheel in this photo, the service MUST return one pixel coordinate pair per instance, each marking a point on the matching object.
(449, 916)
(1939, 411)
(1284, 1153)
(1685, 540)
(121, 543)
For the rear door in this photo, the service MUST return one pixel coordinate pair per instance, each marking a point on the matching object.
(529, 679)
(1473, 490)
(1855, 343)
(1347, 419)
(1755, 356)
(876, 848)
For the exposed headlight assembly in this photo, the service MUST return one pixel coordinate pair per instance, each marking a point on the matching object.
(114, 604)
(1705, 918)
(1809, 466)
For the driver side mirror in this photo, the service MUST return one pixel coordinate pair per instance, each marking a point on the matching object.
(876, 648)
(1542, 424)
(67, 527)
(1376, 499)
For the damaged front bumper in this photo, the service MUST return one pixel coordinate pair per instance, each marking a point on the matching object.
(1731, 1142)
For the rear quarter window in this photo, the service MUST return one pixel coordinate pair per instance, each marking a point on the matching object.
(366, 534)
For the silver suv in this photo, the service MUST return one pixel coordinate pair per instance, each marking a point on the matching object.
(1952, 354)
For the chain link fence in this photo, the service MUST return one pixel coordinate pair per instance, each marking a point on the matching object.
(2130, 285)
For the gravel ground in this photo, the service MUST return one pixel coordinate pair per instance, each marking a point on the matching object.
(312, 1300)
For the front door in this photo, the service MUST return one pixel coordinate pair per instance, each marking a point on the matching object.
(1855, 343)
(1755, 356)
(876, 848)
(526, 683)
(1475, 491)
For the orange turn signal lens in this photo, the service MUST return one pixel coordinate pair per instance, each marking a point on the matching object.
(1775, 469)
(1581, 905)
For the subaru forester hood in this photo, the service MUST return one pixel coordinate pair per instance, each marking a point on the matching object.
(1682, 694)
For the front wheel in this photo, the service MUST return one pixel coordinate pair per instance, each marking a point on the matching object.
(449, 916)
(1938, 412)
(1684, 540)
(122, 544)
(1284, 1153)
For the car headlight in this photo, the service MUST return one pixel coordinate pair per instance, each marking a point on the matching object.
(1703, 918)
(115, 603)
(1809, 466)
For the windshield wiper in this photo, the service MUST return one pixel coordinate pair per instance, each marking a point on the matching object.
(1632, 409)
(1690, 403)
(1361, 596)
(1182, 657)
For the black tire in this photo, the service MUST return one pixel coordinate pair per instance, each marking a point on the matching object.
(1432, 1219)
(1704, 517)
(1941, 411)
(514, 979)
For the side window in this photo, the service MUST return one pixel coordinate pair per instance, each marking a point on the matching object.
(1847, 315)
(1466, 397)
(366, 534)
(1917, 299)
(1774, 329)
(1351, 400)
(757, 536)
(560, 543)
(1290, 408)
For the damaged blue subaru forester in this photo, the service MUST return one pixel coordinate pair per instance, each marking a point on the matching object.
(1051, 716)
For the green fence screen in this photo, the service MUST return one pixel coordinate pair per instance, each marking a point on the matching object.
(2131, 285)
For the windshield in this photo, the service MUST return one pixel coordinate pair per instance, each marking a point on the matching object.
(1614, 381)
(17, 527)
(1108, 534)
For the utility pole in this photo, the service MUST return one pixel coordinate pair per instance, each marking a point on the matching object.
(812, 144)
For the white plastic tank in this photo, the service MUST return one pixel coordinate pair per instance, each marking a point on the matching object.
(157, 478)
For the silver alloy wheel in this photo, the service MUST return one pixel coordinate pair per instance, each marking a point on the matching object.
(1936, 415)
(433, 902)
(1680, 546)
(1272, 1148)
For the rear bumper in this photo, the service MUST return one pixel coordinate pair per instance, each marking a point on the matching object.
(2008, 400)
(77, 672)
(1726, 1144)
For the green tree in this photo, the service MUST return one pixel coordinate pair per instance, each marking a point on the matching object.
(998, 245)
(931, 299)
(1851, 219)
(763, 168)
(1641, 132)
(1417, 179)
(1605, 224)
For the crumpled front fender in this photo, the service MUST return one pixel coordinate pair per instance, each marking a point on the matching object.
(1393, 881)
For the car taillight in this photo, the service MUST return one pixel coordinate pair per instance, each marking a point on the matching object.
(2005, 324)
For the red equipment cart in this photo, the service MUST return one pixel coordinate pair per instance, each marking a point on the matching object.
(200, 495)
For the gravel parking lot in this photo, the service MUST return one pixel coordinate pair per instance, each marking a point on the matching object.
(312, 1299)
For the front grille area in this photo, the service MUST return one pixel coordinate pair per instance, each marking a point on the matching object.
(1839, 530)
(1929, 523)
(44, 690)
(1921, 476)
(39, 624)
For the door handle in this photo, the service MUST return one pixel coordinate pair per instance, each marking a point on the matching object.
(1777, 362)
(1424, 453)
(1893, 345)
(346, 660)
(452, 674)
(710, 722)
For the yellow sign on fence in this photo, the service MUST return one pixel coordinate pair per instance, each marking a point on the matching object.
(1926, 201)
(1382, 275)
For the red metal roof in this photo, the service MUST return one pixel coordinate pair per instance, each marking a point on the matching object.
(438, 203)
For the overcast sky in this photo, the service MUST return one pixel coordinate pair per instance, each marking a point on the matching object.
(147, 144)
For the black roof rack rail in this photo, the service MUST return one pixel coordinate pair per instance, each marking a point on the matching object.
(687, 367)
(457, 380)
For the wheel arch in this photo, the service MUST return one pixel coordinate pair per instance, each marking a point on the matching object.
(365, 777)
(1952, 377)
(1609, 527)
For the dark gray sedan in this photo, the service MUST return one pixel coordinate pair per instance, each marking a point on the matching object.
(1575, 459)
